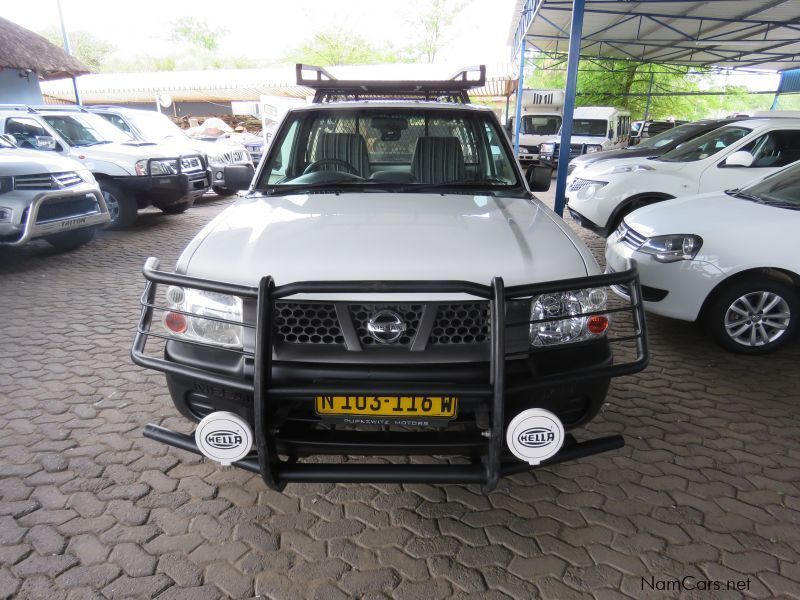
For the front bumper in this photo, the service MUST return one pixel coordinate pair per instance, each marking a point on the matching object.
(276, 397)
(76, 208)
(165, 190)
(676, 290)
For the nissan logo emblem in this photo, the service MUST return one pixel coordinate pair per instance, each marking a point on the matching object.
(386, 326)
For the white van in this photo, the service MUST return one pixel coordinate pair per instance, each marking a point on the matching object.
(542, 112)
(594, 128)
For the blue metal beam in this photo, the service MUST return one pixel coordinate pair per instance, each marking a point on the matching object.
(575, 32)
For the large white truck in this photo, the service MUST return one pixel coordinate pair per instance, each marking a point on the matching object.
(542, 111)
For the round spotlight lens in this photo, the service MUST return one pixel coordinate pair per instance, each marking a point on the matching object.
(175, 322)
(175, 296)
(597, 324)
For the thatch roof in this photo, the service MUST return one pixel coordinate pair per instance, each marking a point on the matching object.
(23, 49)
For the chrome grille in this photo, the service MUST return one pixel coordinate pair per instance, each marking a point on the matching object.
(630, 237)
(411, 313)
(464, 323)
(190, 164)
(234, 156)
(47, 181)
(307, 323)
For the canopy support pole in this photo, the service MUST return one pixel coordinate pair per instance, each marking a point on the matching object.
(575, 33)
(520, 86)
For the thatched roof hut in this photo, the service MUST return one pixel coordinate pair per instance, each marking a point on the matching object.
(22, 49)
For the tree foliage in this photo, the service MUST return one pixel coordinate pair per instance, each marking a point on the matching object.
(343, 48)
(91, 51)
(434, 21)
(197, 33)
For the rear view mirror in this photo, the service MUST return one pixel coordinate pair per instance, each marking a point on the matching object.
(45, 142)
(539, 177)
(238, 177)
(742, 158)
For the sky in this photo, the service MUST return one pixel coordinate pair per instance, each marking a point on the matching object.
(269, 29)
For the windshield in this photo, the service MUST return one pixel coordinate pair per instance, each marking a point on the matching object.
(85, 129)
(706, 145)
(540, 124)
(782, 188)
(665, 138)
(592, 127)
(154, 126)
(389, 149)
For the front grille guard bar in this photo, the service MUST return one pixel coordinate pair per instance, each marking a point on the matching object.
(276, 473)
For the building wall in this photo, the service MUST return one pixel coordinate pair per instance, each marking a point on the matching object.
(16, 89)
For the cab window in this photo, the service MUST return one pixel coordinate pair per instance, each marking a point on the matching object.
(775, 149)
(25, 131)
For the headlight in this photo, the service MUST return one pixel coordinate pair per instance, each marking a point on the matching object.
(593, 148)
(157, 167)
(625, 169)
(216, 160)
(563, 326)
(524, 150)
(86, 175)
(547, 148)
(590, 189)
(672, 248)
(5, 214)
(208, 304)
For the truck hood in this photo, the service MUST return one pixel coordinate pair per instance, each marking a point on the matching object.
(19, 161)
(386, 236)
(587, 159)
(602, 168)
(130, 151)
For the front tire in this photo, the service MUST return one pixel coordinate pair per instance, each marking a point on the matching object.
(70, 240)
(754, 316)
(122, 208)
(221, 191)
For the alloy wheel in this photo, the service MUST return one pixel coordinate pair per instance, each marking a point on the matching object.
(757, 318)
(112, 204)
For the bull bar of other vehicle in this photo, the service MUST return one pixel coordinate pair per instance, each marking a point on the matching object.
(184, 183)
(487, 466)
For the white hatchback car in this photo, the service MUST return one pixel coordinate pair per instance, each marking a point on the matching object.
(727, 258)
(601, 194)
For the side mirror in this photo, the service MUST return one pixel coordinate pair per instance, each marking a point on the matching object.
(238, 177)
(539, 177)
(45, 142)
(742, 158)
(9, 138)
(611, 134)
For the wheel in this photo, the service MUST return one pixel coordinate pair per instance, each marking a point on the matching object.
(754, 316)
(176, 209)
(69, 240)
(221, 191)
(121, 206)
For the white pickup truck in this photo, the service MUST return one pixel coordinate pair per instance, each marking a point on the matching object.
(389, 285)
(47, 197)
(131, 174)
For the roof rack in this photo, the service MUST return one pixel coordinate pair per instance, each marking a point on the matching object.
(328, 88)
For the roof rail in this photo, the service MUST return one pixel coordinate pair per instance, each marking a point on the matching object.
(328, 88)
(24, 107)
(61, 107)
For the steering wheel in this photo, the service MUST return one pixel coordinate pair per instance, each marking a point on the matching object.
(314, 166)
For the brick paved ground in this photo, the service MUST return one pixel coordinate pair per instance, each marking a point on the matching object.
(708, 485)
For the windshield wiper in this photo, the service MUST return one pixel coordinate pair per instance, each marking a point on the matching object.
(744, 196)
(483, 185)
(93, 143)
(343, 185)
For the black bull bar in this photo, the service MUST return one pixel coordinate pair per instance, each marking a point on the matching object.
(489, 463)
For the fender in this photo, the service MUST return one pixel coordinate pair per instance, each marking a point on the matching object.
(630, 203)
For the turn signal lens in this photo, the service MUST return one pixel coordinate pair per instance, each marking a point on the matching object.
(597, 324)
(175, 322)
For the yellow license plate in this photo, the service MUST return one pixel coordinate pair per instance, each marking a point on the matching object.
(443, 407)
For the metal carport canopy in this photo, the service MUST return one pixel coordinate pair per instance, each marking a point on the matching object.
(755, 34)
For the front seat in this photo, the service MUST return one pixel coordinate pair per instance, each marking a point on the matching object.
(349, 147)
(438, 160)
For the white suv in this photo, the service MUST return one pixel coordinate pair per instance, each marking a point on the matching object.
(48, 197)
(601, 194)
(131, 174)
(388, 286)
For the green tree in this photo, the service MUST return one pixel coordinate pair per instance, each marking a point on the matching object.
(197, 33)
(342, 48)
(433, 23)
(90, 50)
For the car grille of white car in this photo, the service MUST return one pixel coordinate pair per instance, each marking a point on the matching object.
(579, 184)
(234, 156)
(47, 181)
(630, 237)
(190, 164)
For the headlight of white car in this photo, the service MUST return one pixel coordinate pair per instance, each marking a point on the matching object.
(590, 148)
(672, 248)
(625, 169)
(562, 326)
(214, 326)
(157, 167)
(86, 175)
(589, 188)
(547, 148)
